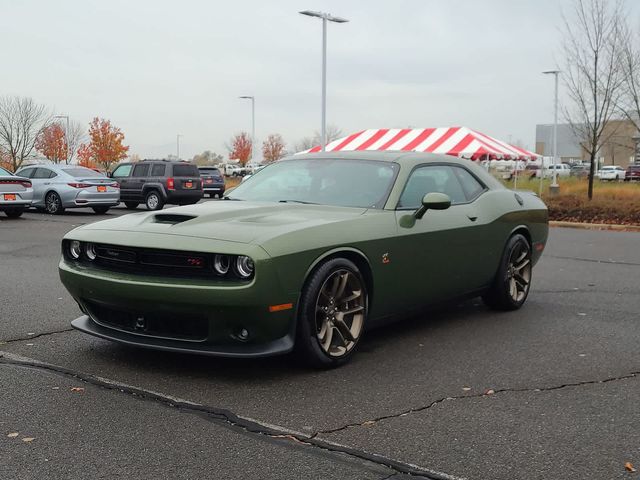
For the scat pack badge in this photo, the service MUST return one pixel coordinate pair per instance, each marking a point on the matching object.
(385, 258)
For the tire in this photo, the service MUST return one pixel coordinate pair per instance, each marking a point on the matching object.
(512, 283)
(153, 200)
(53, 204)
(131, 205)
(15, 213)
(334, 301)
(101, 210)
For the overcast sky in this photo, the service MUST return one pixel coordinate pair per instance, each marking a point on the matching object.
(159, 68)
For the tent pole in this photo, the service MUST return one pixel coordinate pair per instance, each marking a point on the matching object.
(515, 179)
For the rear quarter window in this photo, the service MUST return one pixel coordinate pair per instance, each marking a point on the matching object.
(185, 171)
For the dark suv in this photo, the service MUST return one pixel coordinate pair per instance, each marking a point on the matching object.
(212, 181)
(157, 182)
(632, 173)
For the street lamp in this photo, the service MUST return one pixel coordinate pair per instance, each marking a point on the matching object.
(554, 184)
(253, 123)
(66, 135)
(325, 17)
(178, 145)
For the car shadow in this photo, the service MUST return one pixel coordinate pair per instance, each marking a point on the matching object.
(379, 342)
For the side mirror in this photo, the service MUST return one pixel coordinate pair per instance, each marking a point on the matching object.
(431, 201)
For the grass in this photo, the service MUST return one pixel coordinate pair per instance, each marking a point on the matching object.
(612, 203)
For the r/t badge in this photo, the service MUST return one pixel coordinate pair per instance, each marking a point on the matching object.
(385, 258)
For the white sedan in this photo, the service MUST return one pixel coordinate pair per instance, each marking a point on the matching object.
(611, 172)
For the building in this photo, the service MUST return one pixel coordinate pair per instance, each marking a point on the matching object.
(621, 146)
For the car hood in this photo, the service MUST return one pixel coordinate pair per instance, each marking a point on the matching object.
(229, 220)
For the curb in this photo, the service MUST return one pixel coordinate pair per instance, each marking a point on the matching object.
(595, 226)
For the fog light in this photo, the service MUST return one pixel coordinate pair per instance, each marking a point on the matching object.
(90, 251)
(244, 266)
(75, 249)
(221, 264)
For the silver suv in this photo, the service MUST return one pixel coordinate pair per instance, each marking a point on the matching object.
(57, 187)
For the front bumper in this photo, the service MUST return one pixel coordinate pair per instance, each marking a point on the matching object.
(190, 315)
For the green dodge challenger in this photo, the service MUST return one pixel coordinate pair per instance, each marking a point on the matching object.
(306, 255)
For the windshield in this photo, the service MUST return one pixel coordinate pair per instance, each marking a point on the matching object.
(346, 183)
(80, 172)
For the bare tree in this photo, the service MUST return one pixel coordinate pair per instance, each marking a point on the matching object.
(76, 136)
(332, 133)
(592, 72)
(21, 120)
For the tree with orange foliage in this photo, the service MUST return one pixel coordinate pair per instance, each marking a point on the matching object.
(105, 147)
(52, 143)
(273, 148)
(240, 148)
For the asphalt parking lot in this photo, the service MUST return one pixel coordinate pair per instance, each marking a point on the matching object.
(549, 391)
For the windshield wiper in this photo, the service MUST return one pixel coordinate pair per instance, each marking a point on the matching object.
(297, 201)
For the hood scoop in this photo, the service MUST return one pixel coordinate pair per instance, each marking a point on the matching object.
(172, 218)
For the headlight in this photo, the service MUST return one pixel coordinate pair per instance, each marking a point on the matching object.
(221, 264)
(75, 249)
(90, 251)
(244, 266)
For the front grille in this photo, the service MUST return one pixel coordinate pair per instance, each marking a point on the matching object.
(153, 324)
(154, 262)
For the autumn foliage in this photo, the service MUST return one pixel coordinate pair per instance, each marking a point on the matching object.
(105, 147)
(240, 148)
(52, 143)
(273, 148)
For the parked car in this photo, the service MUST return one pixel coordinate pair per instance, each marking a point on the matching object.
(256, 170)
(212, 181)
(611, 172)
(308, 254)
(531, 171)
(58, 187)
(157, 183)
(16, 193)
(632, 173)
(579, 170)
(561, 169)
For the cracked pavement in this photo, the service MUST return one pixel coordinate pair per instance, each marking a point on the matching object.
(563, 371)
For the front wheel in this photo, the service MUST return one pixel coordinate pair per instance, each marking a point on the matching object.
(511, 286)
(332, 314)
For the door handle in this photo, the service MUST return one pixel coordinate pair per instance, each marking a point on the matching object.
(47, 183)
(472, 216)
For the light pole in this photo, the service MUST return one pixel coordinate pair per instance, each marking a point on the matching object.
(178, 145)
(66, 135)
(253, 123)
(325, 17)
(553, 189)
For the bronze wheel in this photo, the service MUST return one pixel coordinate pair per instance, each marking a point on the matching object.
(339, 313)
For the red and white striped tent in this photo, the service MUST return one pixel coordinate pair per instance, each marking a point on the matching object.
(457, 141)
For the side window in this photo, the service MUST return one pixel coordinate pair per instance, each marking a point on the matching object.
(42, 173)
(28, 173)
(141, 170)
(472, 187)
(52, 174)
(433, 178)
(157, 170)
(122, 171)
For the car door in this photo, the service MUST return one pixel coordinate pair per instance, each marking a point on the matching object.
(138, 179)
(40, 179)
(122, 175)
(444, 254)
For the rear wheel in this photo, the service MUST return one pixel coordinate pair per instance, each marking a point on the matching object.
(332, 314)
(131, 205)
(511, 286)
(153, 200)
(14, 213)
(53, 204)
(100, 210)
